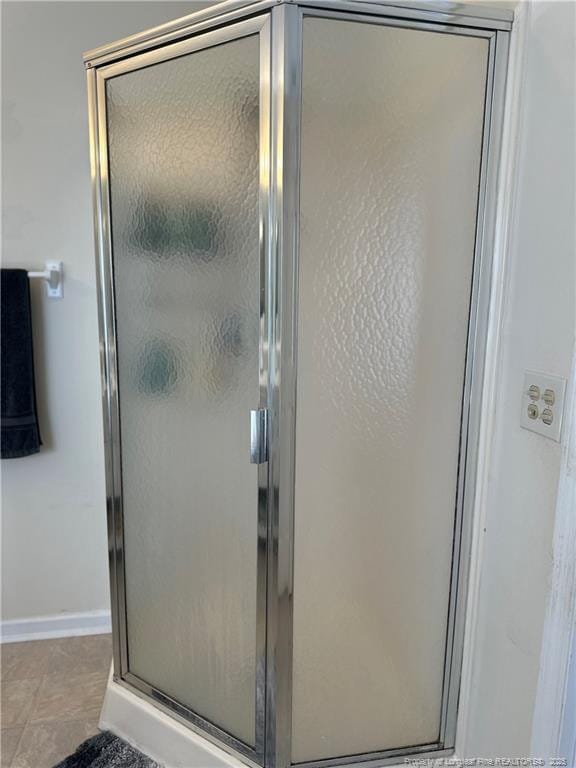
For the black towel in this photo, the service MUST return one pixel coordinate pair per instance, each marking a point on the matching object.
(20, 433)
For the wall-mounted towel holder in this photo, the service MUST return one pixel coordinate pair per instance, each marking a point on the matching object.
(54, 276)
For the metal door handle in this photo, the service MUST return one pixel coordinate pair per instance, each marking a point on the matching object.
(259, 436)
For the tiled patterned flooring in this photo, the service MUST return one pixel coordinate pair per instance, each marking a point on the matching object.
(52, 692)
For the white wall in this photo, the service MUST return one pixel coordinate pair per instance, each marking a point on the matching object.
(54, 555)
(538, 334)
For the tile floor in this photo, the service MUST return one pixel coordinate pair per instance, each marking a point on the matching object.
(52, 692)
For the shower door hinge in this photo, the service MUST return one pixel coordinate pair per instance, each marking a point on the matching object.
(259, 436)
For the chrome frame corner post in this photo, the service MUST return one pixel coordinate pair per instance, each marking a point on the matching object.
(475, 372)
(286, 108)
(112, 425)
(266, 314)
(106, 342)
(474, 375)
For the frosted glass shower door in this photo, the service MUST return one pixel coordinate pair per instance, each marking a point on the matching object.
(391, 146)
(183, 149)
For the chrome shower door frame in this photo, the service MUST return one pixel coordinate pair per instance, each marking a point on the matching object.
(279, 24)
(286, 133)
(97, 78)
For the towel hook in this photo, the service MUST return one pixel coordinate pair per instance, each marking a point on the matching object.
(54, 276)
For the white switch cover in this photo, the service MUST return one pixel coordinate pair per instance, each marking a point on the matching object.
(543, 404)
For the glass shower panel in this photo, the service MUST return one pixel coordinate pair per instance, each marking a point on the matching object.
(391, 146)
(183, 165)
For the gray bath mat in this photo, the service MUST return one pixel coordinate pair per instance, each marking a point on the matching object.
(107, 751)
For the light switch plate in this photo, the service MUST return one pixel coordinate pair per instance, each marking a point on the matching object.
(543, 404)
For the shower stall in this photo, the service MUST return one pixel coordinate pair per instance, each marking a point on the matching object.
(294, 212)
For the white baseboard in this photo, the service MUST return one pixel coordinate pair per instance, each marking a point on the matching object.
(61, 625)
